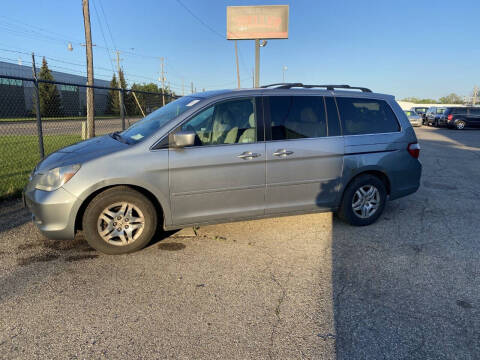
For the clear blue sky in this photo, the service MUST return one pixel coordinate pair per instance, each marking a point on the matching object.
(405, 48)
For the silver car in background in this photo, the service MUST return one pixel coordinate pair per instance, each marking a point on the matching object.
(414, 118)
(230, 155)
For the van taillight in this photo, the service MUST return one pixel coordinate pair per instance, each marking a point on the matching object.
(450, 117)
(414, 150)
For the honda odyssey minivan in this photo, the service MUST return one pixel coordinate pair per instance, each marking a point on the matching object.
(230, 155)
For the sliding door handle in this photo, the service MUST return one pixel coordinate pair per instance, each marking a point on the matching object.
(282, 152)
(248, 155)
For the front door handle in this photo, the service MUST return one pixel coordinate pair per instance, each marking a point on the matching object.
(282, 152)
(248, 155)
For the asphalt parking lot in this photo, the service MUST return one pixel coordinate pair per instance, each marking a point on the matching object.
(285, 288)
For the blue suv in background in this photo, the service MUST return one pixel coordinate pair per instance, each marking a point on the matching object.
(461, 117)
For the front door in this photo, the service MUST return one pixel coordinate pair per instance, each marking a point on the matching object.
(221, 177)
(304, 154)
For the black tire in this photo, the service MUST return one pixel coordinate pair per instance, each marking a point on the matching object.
(460, 124)
(346, 212)
(110, 197)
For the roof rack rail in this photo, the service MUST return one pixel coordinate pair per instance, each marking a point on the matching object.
(333, 87)
(328, 87)
(283, 85)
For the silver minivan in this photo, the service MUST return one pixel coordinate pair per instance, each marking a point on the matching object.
(230, 155)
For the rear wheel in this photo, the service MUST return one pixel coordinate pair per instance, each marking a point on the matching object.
(460, 125)
(119, 220)
(363, 200)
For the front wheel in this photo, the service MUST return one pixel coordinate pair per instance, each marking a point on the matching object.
(119, 220)
(363, 200)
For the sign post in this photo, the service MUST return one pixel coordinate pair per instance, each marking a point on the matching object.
(255, 23)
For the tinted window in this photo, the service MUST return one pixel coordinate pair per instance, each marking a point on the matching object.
(295, 117)
(229, 122)
(459, 111)
(366, 116)
(474, 111)
(332, 117)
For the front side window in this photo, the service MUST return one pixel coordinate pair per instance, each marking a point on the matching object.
(366, 116)
(295, 117)
(229, 122)
(154, 121)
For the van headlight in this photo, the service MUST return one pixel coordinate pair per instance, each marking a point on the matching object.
(54, 178)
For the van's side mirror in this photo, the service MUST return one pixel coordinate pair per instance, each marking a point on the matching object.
(184, 138)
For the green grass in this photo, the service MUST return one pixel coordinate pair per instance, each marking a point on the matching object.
(79, 118)
(19, 155)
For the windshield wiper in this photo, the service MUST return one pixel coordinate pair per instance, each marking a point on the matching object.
(116, 135)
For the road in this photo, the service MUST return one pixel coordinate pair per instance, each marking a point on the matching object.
(62, 127)
(301, 287)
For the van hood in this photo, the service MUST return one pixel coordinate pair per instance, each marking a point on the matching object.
(81, 152)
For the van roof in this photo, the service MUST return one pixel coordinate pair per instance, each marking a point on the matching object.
(297, 88)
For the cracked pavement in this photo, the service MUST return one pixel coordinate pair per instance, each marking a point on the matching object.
(300, 287)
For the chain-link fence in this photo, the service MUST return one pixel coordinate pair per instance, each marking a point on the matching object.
(61, 120)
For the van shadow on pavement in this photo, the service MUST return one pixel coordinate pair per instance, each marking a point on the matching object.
(408, 286)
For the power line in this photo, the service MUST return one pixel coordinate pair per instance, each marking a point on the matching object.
(211, 29)
(108, 26)
(103, 35)
(200, 20)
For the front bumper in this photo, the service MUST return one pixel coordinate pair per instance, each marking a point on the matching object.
(53, 212)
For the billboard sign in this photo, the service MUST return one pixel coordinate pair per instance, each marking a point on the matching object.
(257, 22)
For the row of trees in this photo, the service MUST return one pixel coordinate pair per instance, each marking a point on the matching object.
(148, 102)
(51, 102)
(449, 99)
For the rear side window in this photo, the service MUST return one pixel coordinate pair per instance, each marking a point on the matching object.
(474, 111)
(459, 111)
(295, 117)
(366, 116)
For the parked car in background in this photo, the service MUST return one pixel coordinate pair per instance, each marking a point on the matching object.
(420, 110)
(434, 116)
(461, 117)
(413, 117)
(230, 155)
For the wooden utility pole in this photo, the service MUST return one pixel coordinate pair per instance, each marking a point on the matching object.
(238, 68)
(89, 52)
(163, 81)
(120, 93)
(191, 87)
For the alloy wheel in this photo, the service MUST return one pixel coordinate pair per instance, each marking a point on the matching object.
(366, 201)
(120, 224)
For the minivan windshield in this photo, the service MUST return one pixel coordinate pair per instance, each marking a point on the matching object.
(154, 121)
